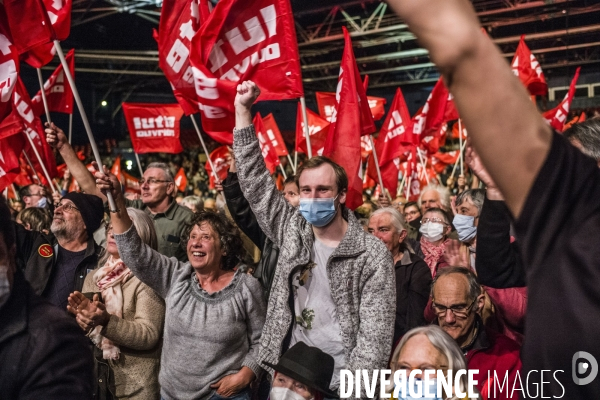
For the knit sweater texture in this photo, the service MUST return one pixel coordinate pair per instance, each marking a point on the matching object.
(139, 337)
(206, 336)
(360, 270)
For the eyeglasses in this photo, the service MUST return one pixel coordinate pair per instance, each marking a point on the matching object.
(68, 207)
(108, 227)
(438, 220)
(458, 311)
(152, 181)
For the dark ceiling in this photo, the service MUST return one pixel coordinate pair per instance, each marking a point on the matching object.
(116, 57)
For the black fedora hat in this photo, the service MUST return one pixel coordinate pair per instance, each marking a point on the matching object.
(307, 365)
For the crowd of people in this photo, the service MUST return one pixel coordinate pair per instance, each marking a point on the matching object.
(272, 293)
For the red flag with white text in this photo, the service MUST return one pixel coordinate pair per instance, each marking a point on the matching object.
(351, 120)
(558, 115)
(528, 69)
(318, 128)
(266, 146)
(58, 91)
(241, 41)
(439, 161)
(326, 105)
(274, 135)
(154, 128)
(221, 159)
(9, 66)
(181, 180)
(11, 146)
(179, 22)
(427, 123)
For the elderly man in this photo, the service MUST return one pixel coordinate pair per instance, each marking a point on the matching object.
(33, 196)
(434, 196)
(57, 265)
(413, 278)
(157, 188)
(457, 300)
(586, 137)
(332, 288)
(44, 354)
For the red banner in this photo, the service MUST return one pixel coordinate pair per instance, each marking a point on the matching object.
(181, 180)
(154, 128)
(317, 131)
(221, 159)
(558, 115)
(528, 69)
(268, 151)
(179, 22)
(116, 168)
(58, 91)
(427, 124)
(130, 183)
(351, 120)
(326, 105)
(11, 146)
(439, 161)
(274, 135)
(9, 66)
(241, 41)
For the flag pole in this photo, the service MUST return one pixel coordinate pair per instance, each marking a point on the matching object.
(291, 164)
(39, 158)
(424, 165)
(305, 118)
(86, 123)
(137, 158)
(408, 187)
(283, 171)
(460, 146)
(43, 92)
(295, 160)
(399, 191)
(15, 191)
(70, 126)
(457, 160)
(212, 167)
(378, 170)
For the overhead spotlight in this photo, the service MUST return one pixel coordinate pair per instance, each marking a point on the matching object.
(104, 103)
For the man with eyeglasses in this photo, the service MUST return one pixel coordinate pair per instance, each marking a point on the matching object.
(56, 265)
(157, 188)
(457, 300)
(33, 196)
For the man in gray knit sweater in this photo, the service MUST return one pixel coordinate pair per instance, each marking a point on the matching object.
(339, 279)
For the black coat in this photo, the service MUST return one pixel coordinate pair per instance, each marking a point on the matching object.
(413, 283)
(43, 353)
(245, 219)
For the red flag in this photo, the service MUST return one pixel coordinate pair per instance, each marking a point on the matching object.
(179, 22)
(130, 183)
(154, 128)
(274, 135)
(32, 126)
(528, 69)
(221, 159)
(558, 115)
(268, 152)
(11, 147)
(116, 168)
(317, 130)
(9, 66)
(351, 120)
(326, 105)
(439, 161)
(365, 148)
(58, 91)
(181, 180)
(429, 120)
(241, 41)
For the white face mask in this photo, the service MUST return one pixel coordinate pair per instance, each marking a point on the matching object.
(42, 203)
(4, 284)
(432, 231)
(279, 393)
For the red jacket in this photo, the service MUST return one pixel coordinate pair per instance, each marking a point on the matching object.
(491, 353)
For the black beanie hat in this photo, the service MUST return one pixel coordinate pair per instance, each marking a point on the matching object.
(90, 207)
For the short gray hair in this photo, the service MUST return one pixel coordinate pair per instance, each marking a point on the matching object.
(443, 343)
(588, 134)
(164, 167)
(194, 201)
(474, 286)
(475, 195)
(442, 191)
(396, 218)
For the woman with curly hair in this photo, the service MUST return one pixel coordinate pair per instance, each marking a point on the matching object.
(214, 311)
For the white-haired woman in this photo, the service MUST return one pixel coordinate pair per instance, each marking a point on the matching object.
(430, 348)
(127, 324)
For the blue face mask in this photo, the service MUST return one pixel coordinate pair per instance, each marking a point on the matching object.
(318, 212)
(419, 390)
(465, 228)
(42, 203)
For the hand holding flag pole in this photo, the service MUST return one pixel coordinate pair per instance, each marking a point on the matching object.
(86, 123)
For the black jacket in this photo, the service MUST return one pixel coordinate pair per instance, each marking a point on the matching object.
(43, 353)
(499, 264)
(36, 257)
(413, 283)
(246, 220)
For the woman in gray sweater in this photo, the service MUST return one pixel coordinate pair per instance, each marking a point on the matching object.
(214, 312)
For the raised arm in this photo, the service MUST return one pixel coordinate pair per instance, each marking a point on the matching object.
(56, 138)
(267, 203)
(503, 123)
